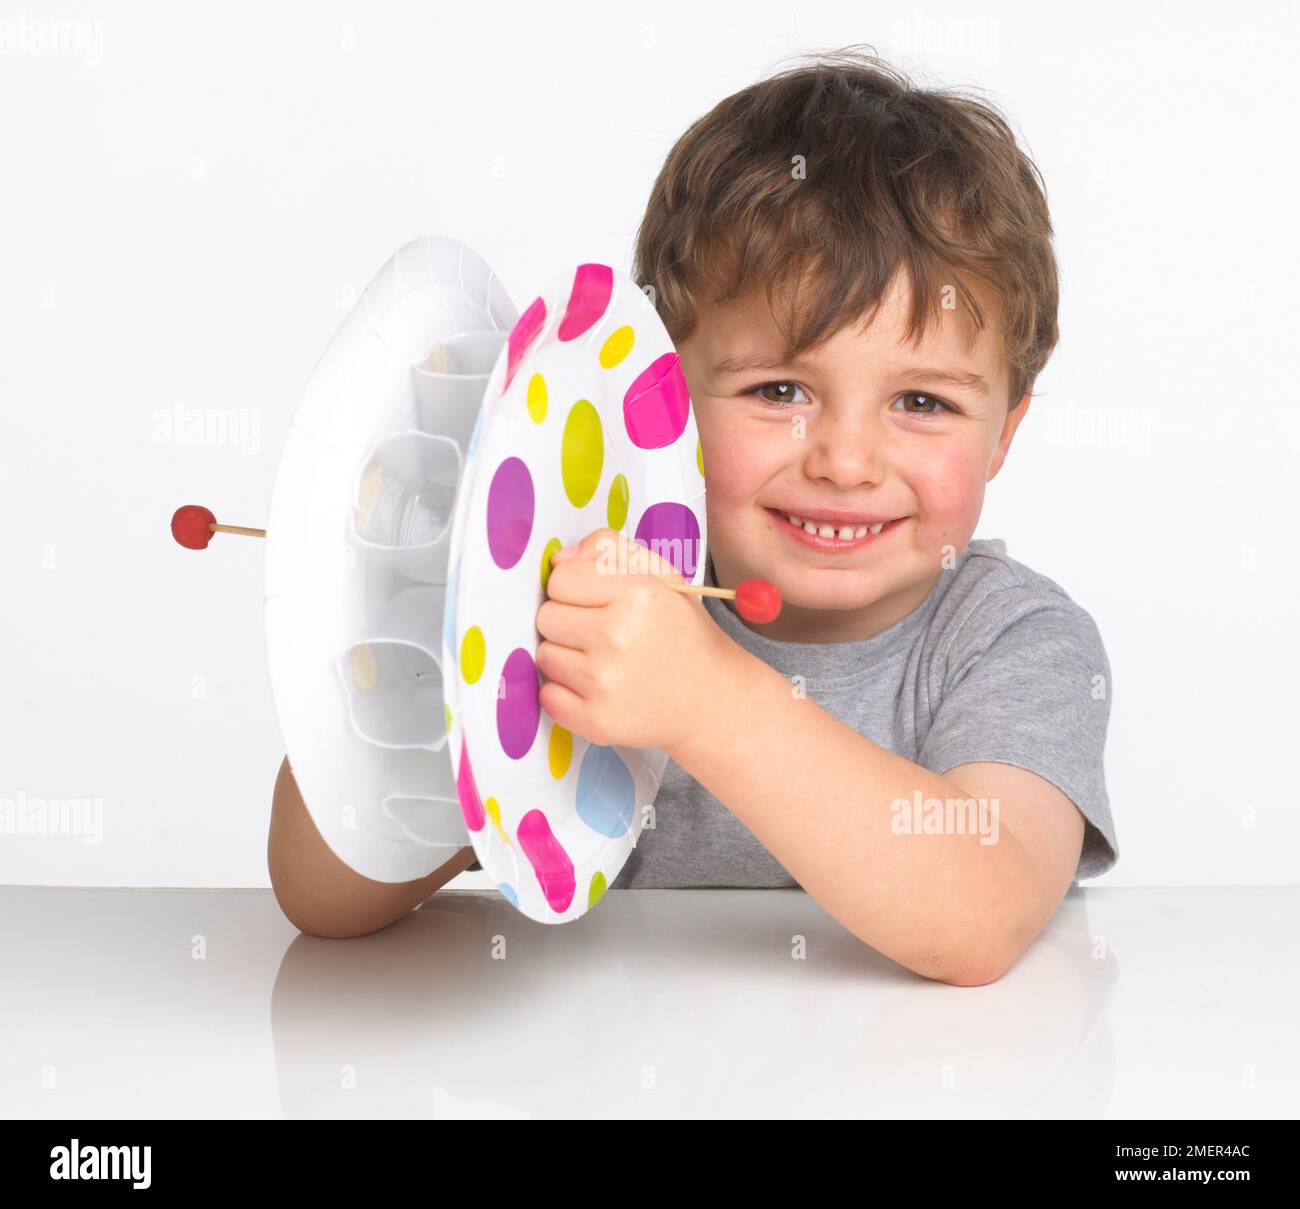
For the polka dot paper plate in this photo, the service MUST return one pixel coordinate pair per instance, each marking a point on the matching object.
(586, 423)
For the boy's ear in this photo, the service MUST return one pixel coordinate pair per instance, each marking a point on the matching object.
(1014, 416)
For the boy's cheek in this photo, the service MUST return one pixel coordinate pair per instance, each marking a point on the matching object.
(949, 489)
(734, 480)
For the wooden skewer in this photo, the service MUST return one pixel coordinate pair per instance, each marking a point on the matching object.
(756, 599)
(215, 528)
(702, 590)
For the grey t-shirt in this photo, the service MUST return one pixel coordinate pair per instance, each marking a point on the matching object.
(998, 664)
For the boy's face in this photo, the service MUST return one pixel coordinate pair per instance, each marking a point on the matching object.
(855, 429)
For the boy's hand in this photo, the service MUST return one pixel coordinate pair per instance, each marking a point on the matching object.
(626, 659)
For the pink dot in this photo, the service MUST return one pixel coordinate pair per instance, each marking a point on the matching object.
(593, 284)
(509, 512)
(521, 336)
(550, 862)
(471, 805)
(657, 405)
(519, 707)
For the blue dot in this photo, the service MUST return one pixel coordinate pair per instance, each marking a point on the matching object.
(449, 616)
(509, 891)
(474, 436)
(606, 793)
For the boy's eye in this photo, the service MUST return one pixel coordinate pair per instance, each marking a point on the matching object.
(784, 389)
(929, 404)
(926, 404)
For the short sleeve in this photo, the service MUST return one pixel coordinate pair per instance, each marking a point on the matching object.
(1028, 683)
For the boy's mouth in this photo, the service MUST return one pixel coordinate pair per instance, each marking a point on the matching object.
(821, 535)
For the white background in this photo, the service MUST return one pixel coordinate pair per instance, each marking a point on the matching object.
(189, 203)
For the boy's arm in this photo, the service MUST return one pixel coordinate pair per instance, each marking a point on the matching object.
(317, 892)
(818, 796)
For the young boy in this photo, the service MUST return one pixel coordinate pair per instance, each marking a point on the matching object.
(859, 278)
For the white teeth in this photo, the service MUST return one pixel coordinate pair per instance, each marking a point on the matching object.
(845, 533)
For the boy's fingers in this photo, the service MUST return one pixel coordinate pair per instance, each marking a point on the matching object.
(563, 665)
(662, 567)
(591, 565)
(576, 581)
(563, 623)
(635, 557)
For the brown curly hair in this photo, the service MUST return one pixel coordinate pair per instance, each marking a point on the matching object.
(843, 171)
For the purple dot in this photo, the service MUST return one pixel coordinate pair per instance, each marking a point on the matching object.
(509, 513)
(518, 709)
(671, 531)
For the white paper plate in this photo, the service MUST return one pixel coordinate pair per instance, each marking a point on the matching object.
(586, 423)
(357, 543)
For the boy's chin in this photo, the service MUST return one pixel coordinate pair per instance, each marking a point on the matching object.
(835, 592)
(844, 589)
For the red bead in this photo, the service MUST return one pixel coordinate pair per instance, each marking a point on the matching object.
(190, 526)
(758, 601)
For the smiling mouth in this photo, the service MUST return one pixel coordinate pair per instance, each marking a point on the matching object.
(819, 535)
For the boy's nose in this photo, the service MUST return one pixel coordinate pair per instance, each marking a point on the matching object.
(846, 452)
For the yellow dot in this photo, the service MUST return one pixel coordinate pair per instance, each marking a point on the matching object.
(551, 547)
(597, 890)
(446, 710)
(493, 809)
(617, 347)
(537, 398)
(473, 654)
(365, 671)
(561, 751)
(582, 453)
(699, 456)
(616, 507)
(368, 492)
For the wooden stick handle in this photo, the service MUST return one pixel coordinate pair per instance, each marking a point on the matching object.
(756, 599)
(215, 528)
(701, 590)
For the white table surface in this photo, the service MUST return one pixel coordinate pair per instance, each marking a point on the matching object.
(1156, 1003)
